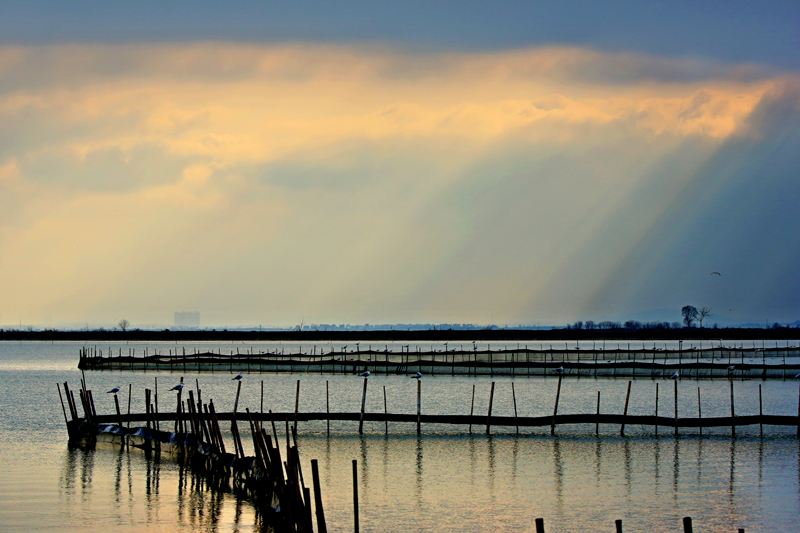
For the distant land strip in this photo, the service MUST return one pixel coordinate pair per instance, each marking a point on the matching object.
(421, 335)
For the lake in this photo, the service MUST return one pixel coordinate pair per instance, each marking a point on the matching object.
(444, 480)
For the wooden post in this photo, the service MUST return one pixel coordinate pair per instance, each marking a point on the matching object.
(687, 524)
(63, 409)
(116, 406)
(699, 412)
(236, 402)
(760, 413)
(419, 404)
(733, 413)
(321, 526)
(798, 411)
(625, 412)
(676, 407)
(262, 396)
(327, 408)
(514, 397)
(296, 404)
(385, 411)
(129, 404)
(597, 420)
(618, 525)
(363, 405)
(472, 408)
(540, 525)
(355, 496)
(555, 407)
(489, 415)
(656, 407)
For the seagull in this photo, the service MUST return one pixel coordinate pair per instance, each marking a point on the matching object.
(418, 375)
(559, 370)
(797, 376)
(238, 377)
(715, 273)
(364, 374)
(113, 391)
(178, 387)
(676, 374)
(731, 368)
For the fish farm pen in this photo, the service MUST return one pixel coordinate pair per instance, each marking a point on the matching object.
(273, 479)
(776, 362)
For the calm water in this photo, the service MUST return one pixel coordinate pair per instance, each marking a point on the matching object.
(445, 480)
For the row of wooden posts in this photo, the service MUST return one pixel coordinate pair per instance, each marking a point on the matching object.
(198, 436)
(688, 527)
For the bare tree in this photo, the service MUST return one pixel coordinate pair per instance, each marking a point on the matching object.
(704, 313)
(690, 314)
(123, 324)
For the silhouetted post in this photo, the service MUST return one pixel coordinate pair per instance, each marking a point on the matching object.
(355, 496)
(625, 412)
(687, 524)
(419, 404)
(296, 404)
(116, 405)
(514, 397)
(63, 409)
(363, 404)
(798, 411)
(489, 415)
(676, 407)
(540, 525)
(699, 412)
(129, 403)
(555, 407)
(618, 525)
(741, 530)
(238, 390)
(385, 411)
(327, 408)
(733, 413)
(760, 413)
(472, 407)
(262, 396)
(321, 526)
(597, 420)
(656, 407)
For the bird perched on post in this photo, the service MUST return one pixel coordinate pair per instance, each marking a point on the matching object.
(417, 375)
(675, 375)
(178, 387)
(113, 391)
(365, 374)
(238, 377)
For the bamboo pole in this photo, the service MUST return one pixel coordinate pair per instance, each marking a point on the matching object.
(514, 397)
(597, 420)
(363, 405)
(419, 405)
(625, 412)
(489, 415)
(327, 409)
(129, 402)
(733, 413)
(699, 411)
(355, 496)
(555, 407)
(385, 411)
(760, 413)
(656, 405)
(472, 409)
(676, 407)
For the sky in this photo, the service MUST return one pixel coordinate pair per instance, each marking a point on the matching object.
(509, 162)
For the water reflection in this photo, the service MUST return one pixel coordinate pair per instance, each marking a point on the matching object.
(145, 492)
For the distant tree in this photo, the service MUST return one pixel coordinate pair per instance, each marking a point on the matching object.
(589, 324)
(704, 313)
(123, 324)
(690, 314)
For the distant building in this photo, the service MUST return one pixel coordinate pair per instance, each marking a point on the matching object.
(187, 319)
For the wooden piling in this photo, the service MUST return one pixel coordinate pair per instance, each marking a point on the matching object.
(327, 408)
(321, 526)
(355, 496)
(597, 422)
(129, 402)
(236, 401)
(539, 525)
(472, 409)
(555, 407)
(514, 397)
(700, 411)
(116, 406)
(625, 412)
(687, 524)
(489, 415)
(63, 409)
(656, 406)
(385, 411)
(618, 525)
(760, 413)
(676, 407)
(363, 405)
(419, 405)
(262, 396)
(296, 403)
(733, 413)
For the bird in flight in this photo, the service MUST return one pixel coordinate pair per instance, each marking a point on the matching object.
(715, 273)
(113, 391)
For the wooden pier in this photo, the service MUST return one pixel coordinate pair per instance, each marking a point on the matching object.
(778, 362)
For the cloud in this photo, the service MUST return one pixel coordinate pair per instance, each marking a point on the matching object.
(262, 183)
